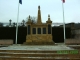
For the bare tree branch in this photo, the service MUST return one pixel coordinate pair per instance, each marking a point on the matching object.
(33, 19)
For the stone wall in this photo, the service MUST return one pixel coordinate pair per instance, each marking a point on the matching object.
(6, 42)
(72, 41)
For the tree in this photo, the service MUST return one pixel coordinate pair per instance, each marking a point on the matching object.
(14, 24)
(23, 22)
(10, 22)
(1, 24)
(33, 19)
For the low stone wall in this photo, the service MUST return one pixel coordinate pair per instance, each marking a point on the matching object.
(6, 42)
(72, 41)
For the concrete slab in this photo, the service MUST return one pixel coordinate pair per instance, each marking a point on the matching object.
(37, 47)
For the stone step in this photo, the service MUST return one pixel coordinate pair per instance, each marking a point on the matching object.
(34, 58)
(34, 55)
(29, 51)
(39, 55)
(33, 51)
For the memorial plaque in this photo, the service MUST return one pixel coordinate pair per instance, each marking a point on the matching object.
(44, 30)
(39, 30)
(34, 31)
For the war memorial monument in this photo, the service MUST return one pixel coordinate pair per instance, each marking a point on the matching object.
(39, 33)
(39, 44)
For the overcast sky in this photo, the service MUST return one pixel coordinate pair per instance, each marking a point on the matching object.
(9, 10)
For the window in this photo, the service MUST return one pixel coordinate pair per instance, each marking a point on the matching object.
(34, 30)
(44, 30)
(49, 29)
(39, 30)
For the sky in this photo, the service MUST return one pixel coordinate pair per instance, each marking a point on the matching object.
(9, 10)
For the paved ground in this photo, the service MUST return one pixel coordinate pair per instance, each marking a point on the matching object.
(59, 46)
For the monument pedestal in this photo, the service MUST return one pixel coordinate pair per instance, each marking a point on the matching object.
(43, 39)
(38, 43)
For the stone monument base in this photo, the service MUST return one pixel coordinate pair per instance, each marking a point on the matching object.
(39, 43)
(43, 39)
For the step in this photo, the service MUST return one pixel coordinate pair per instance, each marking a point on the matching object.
(33, 51)
(39, 55)
(29, 51)
(33, 58)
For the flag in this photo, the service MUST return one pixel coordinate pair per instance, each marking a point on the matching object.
(63, 1)
(20, 1)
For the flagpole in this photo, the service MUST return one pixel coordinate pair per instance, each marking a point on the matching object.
(17, 23)
(63, 21)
